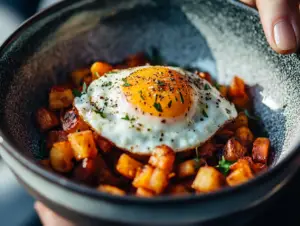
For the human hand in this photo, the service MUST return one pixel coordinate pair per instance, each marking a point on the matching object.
(281, 23)
(49, 218)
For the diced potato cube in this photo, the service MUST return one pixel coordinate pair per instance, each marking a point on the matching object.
(234, 150)
(72, 122)
(208, 179)
(60, 98)
(61, 156)
(86, 171)
(242, 102)
(105, 145)
(237, 87)
(46, 119)
(78, 75)
(225, 134)
(260, 151)
(223, 90)
(207, 149)
(186, 169)
(143, 177)
(178, 190)
(244, 136)
(55, 136)
(241, 172)
(163, 158)
(99, 69)
(258, 167)
(142, 192)
(155, 180)
(111, 189)
(128, 166)
(83, 145)
(240, 121)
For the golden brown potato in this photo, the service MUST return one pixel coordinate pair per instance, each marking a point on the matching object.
(61, 156)
(85, 171)
(155, 180)
(128, 166)
(186, 169)
(242, 102)
(223, 90)
(72, 122)
(60, 98)
(258, 167)
(241, 172)
(142, 192)
(99, 69)
(178, 190)
(163, 158)
(111, 189)
(46, 119)
(260, 151)
(240, 121)
(234, 150)
(237, 87)
(207, 149)
(78, 75)
(225, 134)
(83, 145)
(244, 136)
(55, 136)
(208, 179)
(105, 145)
(205, 75)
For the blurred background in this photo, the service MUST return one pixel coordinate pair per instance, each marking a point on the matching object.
(16, 206)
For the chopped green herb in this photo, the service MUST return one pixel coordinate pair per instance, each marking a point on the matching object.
(97, 74)
(141, 95)
(170, 104)
(101, 114)
(204, 113)
(176, 99)
(84, 88)
(181, 97)
(224, 165)
(161, 83)
(126, 84)
(105, 84)
(206, 87)
(247, 113)
(157, 107)
(126, 118)
(76, 93)
(228, 111)
(217, 85)
(197, 159)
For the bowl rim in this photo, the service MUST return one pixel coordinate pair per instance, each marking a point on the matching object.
(84, 190)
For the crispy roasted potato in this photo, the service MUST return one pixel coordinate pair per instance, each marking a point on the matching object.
(46, 164)
(111, 189)
(207, 149)
(234, 150)
(223, 90)
(240, 121)
(244, 136)
(61, 156)
(105, 145)
(46, 119)
(225, 134)
(186, 169)
(60, 98)
(155, 180)
(237, 88)
(72, 122)
(242, 102)
(86, 171)
(128, 166)
(55, 136)
(205, 75)
(99, 69)
(240, 173)
(142, 192)
(163, 158)
(178, 190)
(208, 179)
(78, 75)
(83, 145)
(260, 151)
(258, 167)
(135, 60)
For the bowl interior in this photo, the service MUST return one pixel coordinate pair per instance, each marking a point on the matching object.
(214, 36)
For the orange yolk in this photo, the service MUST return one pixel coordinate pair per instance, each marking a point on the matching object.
(158, 91)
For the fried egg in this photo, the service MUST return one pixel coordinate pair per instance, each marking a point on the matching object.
(140, 108)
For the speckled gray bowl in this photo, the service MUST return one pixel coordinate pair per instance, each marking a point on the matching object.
(217, 36)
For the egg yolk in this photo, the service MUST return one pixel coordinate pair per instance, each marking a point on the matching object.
(158, 91)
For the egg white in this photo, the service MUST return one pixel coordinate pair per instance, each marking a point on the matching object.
(105, 109)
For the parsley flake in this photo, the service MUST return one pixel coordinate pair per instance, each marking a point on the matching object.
(126, 84)
(170, 104)
(84, 88)
(158, 107)
(141, 95)
(101, 114)
(105, 84)
(181, 97)
(206, 87)
(224, 165)
(161, 83)
(204, 113)
(127, 118)
(76, 93)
